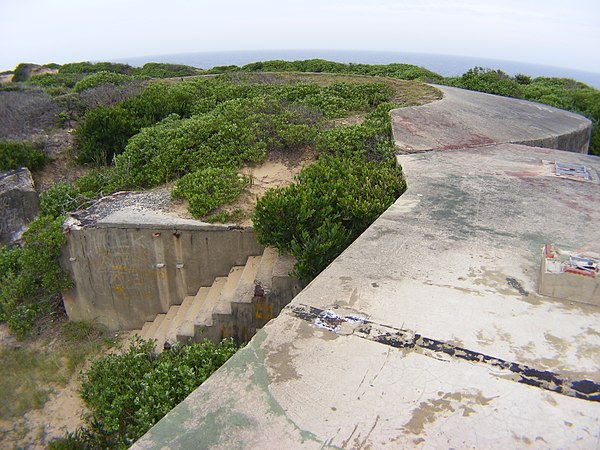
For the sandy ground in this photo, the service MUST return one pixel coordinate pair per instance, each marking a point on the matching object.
(62, 412)
(277, 171)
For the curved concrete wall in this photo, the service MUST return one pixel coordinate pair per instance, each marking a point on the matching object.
(465, 119)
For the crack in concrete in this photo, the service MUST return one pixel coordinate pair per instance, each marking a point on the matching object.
(409, 340)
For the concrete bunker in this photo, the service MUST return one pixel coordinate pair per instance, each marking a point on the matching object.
(135, 260)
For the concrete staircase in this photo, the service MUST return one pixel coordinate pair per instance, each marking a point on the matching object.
(234, 306)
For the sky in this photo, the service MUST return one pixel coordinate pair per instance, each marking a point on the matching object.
(549, 32)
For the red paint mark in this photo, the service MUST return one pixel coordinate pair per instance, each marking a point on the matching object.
(474, 140)
(548, 252)
(523, 174)
(407, 124)
(585, 273)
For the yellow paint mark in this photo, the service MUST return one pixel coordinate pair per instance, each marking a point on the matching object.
(119, 289)
(264, 311)
(227, 331)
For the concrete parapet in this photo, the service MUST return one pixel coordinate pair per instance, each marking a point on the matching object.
(466, 119)
(128, 271)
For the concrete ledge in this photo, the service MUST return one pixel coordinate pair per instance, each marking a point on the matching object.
(465, 119)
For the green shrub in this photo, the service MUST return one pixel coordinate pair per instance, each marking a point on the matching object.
(23, 72)
(103, 134)
(209, 188)
(165, 70)
(130, 392)
(21, 154)
(61, 199)
(372, 139)
(99, 78)
(88, 67)
(54, 80)
(330, 205)
(31, 278)
(487, 80)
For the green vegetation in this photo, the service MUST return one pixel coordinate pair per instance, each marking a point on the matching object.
(23, 72)
(88, 67)
(209, 188)
(129, 392)
(336, 199)
(31, 279)
(164, 70)
(21, 154)
(99, 78)
(401, 71)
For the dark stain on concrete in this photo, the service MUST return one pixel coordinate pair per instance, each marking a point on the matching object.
(512, 282)
(408, 340)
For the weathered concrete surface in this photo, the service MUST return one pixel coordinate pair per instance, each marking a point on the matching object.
(19, 204)
(464, 119)
(130, 265)
(428, 330)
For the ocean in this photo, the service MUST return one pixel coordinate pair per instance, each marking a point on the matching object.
(445, 65)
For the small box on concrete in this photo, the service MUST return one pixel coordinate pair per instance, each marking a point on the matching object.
(570, 275)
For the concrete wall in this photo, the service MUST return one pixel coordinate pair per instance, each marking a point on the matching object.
(125, 276)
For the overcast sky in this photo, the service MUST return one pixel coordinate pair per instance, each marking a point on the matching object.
(550, 32)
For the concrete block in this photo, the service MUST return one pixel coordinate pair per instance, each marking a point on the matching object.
(19, 204)
(560, 276)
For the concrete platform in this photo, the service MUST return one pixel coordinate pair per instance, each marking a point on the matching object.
(428, 331)
(464, 119)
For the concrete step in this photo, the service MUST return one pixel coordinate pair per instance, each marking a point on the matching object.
(161, 332)
(204, 316)
(171, 336)
(144, 331)
(151, 329)
(264, 274)
(245, 289)
(223, 305)
(185, 331)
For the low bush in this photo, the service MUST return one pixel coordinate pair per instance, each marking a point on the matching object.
(330, 205)
(88, 67)
(128, 393)
(21, 154)
(54, 80)
(165, 70)
(487, 80)
(30, 277)
(99, 78)
(207, 189)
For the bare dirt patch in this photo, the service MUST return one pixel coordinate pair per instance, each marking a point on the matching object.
(277, 171)
(61, 169)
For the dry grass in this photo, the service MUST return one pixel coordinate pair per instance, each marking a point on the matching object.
(31, 370)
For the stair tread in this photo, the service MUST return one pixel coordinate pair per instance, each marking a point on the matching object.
(153, 327)
(204, 316)
(223, 304)
(171, 335)
(162, 330)
(245, 288)
(264, 273)
(186, 328)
